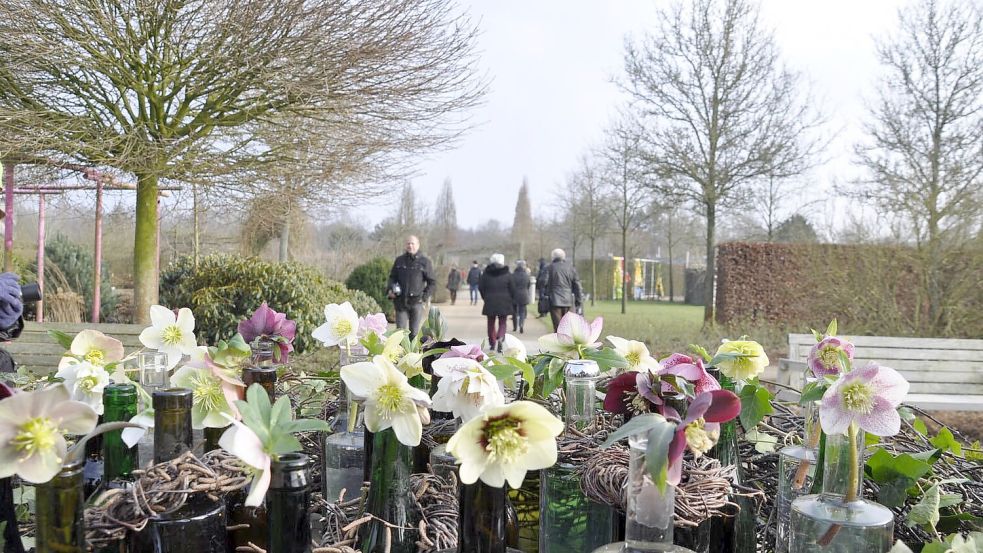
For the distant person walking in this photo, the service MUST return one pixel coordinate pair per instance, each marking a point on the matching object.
(453, 282)
(520, 296)
(542, 302)
(474, 278)
(411, 285)
(498, 293)
(562, 287)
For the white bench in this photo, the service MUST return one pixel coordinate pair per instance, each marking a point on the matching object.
(945, 374)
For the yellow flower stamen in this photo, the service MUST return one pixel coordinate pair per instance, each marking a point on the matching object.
(87, 383)
(395, 353)
(208, 394)
(95, 356)
(504, 440)
(858, 397)
(829, 356)
(342, 327)
(35, 436)
(172, 335)
(698, 439)
(389, 398)
(633, 357)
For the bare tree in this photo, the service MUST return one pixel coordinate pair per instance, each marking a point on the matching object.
(625, 185)
(169, 89)
(924, 146)
(445, 220)
(522, 223)
(583, 201)
(723, 111)
(777, 200)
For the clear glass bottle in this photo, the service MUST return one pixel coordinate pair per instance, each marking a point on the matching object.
(796, 471)
(569, 521)
(343, 465)
(481, 521)
(153, 376)
(59, 505)
(390, 497)
(286, 503)
(838, 520)
(199, 526)
(649, 510)
(262, 371)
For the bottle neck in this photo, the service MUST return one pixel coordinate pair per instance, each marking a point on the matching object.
(286, 503)
(580, 406)
(119, 460)
(481, 521)
(262, 352)
(265, 376)
(843, 466)
(172, 433)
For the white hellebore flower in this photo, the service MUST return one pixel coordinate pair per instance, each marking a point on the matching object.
(95, 347)
(390, 401)
(32, 428)
(242, 442)
(85, 382)
(132, 436)
(636, 354)
(170, 334)
(513, 347)
(465, 387)
(504, 442)
(210, 406)
(412, 364)
(341, 328)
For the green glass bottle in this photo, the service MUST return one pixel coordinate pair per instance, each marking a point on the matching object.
(119, 404)
(173, 435)
(286, 504)
(481, 521)
(390, 497)
(212, 436)
(59, 504)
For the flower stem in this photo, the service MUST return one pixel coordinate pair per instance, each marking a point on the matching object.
(853, 488)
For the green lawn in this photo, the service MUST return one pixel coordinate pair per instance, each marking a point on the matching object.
(669, 327)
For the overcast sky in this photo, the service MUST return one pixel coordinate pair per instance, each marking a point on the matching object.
(551, 63)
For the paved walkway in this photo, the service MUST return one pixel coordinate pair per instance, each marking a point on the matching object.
(466, 323)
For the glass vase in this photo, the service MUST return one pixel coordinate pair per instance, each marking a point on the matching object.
(569, 521)
(390, 497)
(286, 503)
(153, 377)
(481, 521)
(59, 504)
(649, 510)
(343, 462)
(738, 533)
(838, 520)
(796, 472)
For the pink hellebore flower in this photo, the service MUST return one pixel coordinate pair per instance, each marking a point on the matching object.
(467, 351)
(572, 335)
(691, 369)
(824, 357)
(868, 397)
(375, 323)
(267, 323)
(701, 427)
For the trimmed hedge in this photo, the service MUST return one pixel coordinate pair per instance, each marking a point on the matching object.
(371, 278)
(226, 289)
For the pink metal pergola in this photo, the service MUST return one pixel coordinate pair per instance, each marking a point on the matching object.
(102, 182)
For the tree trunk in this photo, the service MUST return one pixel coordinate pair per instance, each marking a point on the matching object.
(672, 290)
(196, 240)
(709, 279)
(145, 277)
(624, 269)
(8, 223)
(593, 273)
(285, 240)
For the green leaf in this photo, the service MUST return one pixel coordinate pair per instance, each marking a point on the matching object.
(701, 351)
(933, 547)
(502, 372)
(257, 397)
(950, 500)
(919, 426)
(284, 443)
(813, 391)
(926, 512)
(281, 412)
(831, 329)
(959, 544)
(871, 439)
(253, 419)
(528, 374)
(894, 475)
(816, 335)
(930, 456)
(755, 405)
(763, 442)
(606, 358)
(657, 453)
(373, 344)
(945, 441)
(63, 339)
(952, 523)
(974, 452)
(640, 423)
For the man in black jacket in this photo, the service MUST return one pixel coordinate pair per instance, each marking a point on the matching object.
(474, 277)
(562, 287)
(411, 285)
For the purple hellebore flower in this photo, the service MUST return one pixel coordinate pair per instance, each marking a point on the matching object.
(868, 397)
(468, 351)
(824, 357)
(267, 323)
(375, 323)
(691, 369)
(700, 428)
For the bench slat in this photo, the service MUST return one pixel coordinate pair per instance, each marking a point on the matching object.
(898, 342)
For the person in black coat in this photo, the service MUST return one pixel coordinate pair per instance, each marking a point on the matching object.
(543, 304)
(453, 283)
(498, 292)
(474, 278)
(520, 300)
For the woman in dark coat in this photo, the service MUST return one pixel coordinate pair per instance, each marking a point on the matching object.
(520, 299)
(453, 282)
(497, 291)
